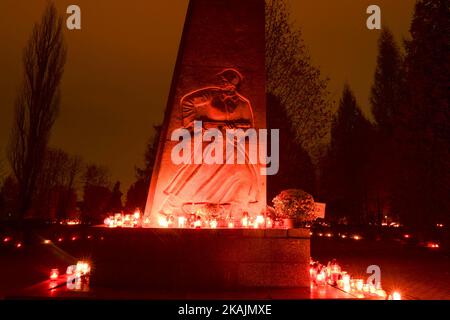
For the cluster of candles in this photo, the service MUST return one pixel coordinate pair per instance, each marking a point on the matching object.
(81, 269)
(125, 220)
(196, 221)
(341, 235)
(76, 277)
(333, 275)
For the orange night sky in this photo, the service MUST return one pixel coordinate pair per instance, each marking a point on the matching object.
(120, 65)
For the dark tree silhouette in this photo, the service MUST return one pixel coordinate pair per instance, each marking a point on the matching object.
(296, 170)
(345, 170)
(423, 188)
(96, 193)
(149, 156)
(293, 79)
(115, 204)
(37, 104)
(138, 191)
(56, 189)
(387, 95)
(2, 171)
(8, 198)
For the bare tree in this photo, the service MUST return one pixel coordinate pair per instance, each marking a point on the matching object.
(56, 189)
(37, 103)
(293, 80)
(96, 193)
(96, 175)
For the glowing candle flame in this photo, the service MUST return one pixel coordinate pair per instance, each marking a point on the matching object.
(259, 221)
(163, 223)
(82, 268)
(197, 223)
(359, 284)
(181, 222)
(54, 274)
(346, 282)
(396, 296)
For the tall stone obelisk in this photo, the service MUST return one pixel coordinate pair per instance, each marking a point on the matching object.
(219, 79)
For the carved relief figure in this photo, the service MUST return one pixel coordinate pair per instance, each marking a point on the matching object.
(233, 187)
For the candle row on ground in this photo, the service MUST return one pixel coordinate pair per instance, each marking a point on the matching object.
(333, 275)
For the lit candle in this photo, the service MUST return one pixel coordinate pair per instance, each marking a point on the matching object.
(346, 282)
(163, 223)
(381, 293)
(245, 221)
(54, 274)
(359, 284)
(259, 221)
(321, 277)
(365, 288)
(82, 268)
(213, 224)
(396, 296)
(181, 222)
(198, 222)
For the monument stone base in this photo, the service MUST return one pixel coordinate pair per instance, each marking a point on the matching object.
(207, 259)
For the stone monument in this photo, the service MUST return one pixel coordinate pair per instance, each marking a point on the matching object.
(218, 87)
(219, 79)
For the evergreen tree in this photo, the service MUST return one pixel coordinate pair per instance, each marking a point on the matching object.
(424, 183)
(345, 173)
(386, 98)
(386, 93)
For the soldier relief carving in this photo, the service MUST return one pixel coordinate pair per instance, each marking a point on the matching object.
(221, 188)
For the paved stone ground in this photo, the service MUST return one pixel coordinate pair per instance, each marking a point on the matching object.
(42, 291)
(418, 273)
